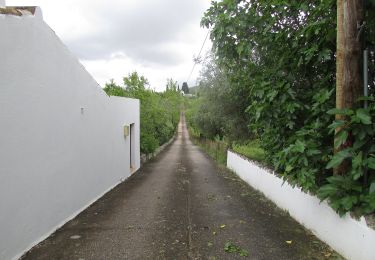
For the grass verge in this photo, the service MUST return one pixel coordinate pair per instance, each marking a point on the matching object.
(251, 150)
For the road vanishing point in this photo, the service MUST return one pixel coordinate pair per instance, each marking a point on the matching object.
(182, 205)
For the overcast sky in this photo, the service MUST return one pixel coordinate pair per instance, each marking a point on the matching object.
(112, 38)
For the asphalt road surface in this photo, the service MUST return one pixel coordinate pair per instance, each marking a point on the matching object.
(181, 205)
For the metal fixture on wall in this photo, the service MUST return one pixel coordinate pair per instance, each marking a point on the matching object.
(126, 130)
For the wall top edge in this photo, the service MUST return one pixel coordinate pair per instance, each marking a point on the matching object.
(21, 11)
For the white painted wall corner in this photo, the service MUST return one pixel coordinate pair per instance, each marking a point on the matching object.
(351, 238)
(62, 141)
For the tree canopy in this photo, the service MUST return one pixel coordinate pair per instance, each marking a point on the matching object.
(185, 88)
(274, 64)
(159, 113)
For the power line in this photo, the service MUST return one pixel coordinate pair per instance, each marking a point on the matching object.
(195, 62)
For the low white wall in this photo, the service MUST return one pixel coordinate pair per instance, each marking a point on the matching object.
(62, 144)
(351, 238)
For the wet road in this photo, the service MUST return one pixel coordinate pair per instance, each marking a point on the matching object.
(181, 205)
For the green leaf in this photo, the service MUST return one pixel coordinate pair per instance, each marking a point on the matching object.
(372, 187)
(244, 252)
(337, 180)
(357, 160)
(364, 116)
(299, 147)
(240, 48)
(371, 163)
(288, 168)
(326, 191)
(313, 152)
(338, 158)
(300, 61)
(290, 124)
(336, 111)
(348, 202)
(325, 54)
(336, 124)
(341, 138)
(356, 174)
(230, 247)
(358, 144)
(369, 98)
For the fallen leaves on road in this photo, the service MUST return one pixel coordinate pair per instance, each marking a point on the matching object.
(230, 247)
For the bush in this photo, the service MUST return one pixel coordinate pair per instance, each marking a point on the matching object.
(278, 60)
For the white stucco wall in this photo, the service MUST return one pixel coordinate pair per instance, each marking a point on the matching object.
(61, 137)
(351, 238)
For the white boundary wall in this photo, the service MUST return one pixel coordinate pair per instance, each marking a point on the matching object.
(62, 143)
(351, 238)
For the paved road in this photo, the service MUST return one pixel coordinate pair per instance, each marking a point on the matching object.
(181, 206)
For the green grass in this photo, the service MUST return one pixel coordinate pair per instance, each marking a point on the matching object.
(214, 148)
(218, 149)
(251, 150)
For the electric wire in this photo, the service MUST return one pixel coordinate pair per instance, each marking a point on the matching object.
(195, 62)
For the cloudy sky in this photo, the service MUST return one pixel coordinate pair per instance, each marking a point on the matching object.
(112, 38)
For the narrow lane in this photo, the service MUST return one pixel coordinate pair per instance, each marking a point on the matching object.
(181, 206)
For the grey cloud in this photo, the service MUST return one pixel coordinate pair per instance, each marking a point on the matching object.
(140, 31)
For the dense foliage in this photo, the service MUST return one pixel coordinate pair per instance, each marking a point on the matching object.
(218, 111)
(357, 187)
(159, 111)
(274, 69)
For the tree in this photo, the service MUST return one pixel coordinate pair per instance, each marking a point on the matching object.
(280, 59)
(219, 114)
(159, 112)
(171, 85)
(135, 82)
(185, 88)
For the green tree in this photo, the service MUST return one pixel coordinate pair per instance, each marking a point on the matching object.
(159, 112)
(279, 58)
(172, 85)
(185, 88)
(135, 82)
(219, 114)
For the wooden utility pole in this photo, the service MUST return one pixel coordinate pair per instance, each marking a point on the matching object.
(348, 60)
